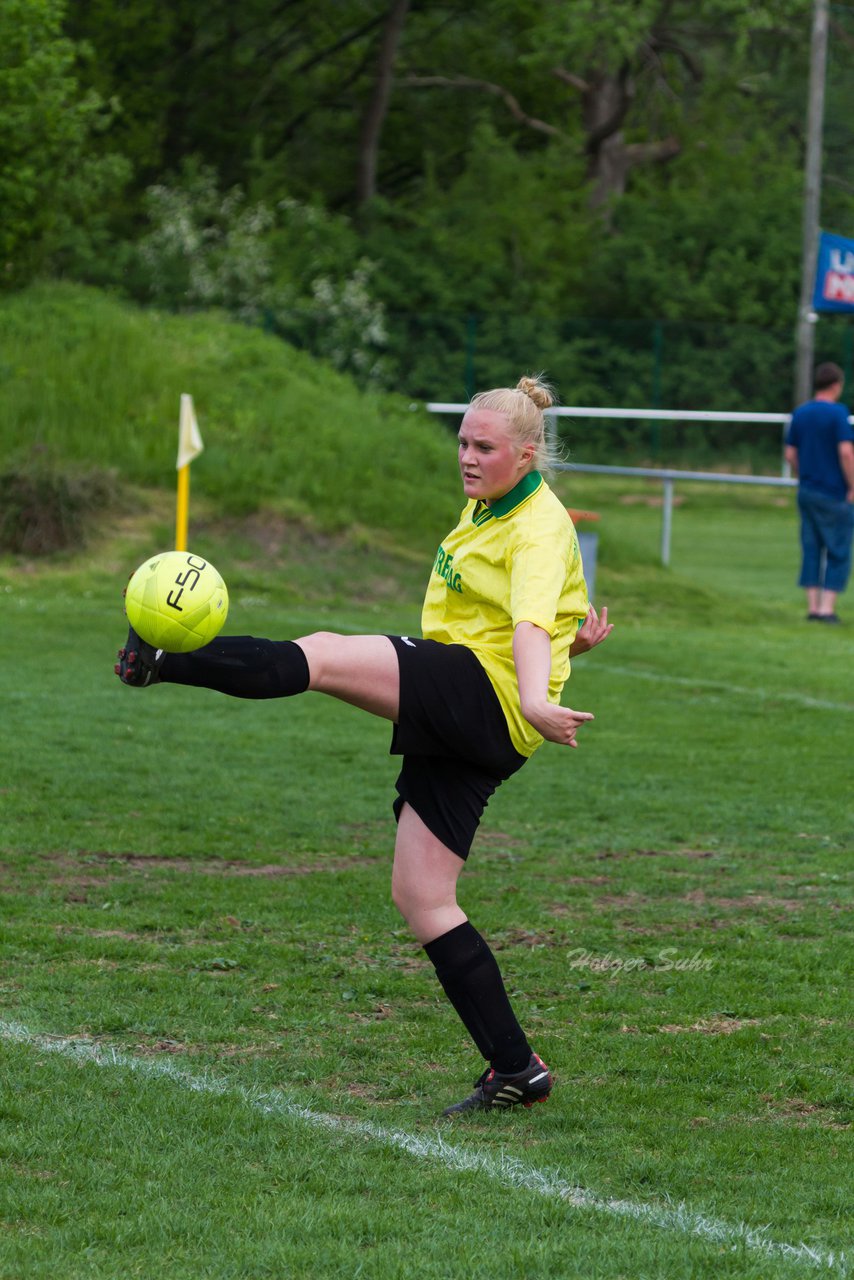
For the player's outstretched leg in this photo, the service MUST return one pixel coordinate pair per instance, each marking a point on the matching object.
(238, 665)
(361, 670)
(424, 890)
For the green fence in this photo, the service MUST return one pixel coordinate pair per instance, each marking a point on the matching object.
(627, 363)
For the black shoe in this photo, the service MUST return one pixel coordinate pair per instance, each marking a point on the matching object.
(139, 662)
(832, 618)
(493, 1089)
(813, 617)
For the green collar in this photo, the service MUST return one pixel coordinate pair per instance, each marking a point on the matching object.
(520, 493)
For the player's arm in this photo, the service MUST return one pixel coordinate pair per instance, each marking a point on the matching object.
(532, 654)
(846, 462)
(792, 458)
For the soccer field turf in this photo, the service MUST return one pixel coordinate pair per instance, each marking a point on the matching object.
(224, 1056)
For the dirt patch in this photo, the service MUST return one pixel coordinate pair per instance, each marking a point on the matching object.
(492, 838)
(619, 855)
(497, 846)
(407, 961)
(801, 1113)
(699, 898)
(378, 1013)
(623, 900)
(711, 1026)
(708, 924)
(153, 937)
(161, 1046)
(153, 1048)
(268, 1050)
(222, 866)
(124, 934)
(747, 902)
(596, 881)
(368, 1091)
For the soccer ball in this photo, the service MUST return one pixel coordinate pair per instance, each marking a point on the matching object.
(177, 602)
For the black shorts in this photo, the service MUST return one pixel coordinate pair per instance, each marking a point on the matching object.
(453, 737)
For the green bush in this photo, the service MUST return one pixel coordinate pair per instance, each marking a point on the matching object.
(46, 508)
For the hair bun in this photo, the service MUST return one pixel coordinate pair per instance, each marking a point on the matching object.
(539, 392)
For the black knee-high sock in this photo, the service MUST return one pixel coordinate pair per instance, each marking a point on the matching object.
(469, 973)
(242, 667)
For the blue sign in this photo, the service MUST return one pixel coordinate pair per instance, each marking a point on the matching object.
(834, 275)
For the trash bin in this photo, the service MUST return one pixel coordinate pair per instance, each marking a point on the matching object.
(588, 543)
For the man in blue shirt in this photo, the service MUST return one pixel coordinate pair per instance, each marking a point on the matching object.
(820, 451)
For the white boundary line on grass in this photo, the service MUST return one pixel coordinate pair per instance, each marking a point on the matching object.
(720, 686)
(503, 1169)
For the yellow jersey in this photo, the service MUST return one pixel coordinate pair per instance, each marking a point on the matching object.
(514, 561)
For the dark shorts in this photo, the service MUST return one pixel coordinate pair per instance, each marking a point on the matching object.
(827, 525)
(453, 737)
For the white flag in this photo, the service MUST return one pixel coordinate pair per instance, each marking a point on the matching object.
(189, 438)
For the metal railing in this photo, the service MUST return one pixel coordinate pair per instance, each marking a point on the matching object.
(667, 476)
(666, 415)
(668, 479)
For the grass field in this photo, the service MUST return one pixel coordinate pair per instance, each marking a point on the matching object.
(223, 1055)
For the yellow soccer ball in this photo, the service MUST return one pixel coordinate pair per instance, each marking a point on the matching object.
(177, 602)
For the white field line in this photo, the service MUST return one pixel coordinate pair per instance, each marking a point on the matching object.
(720, 686)
(503, 1169)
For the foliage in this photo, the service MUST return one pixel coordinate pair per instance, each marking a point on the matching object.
(45, 507)
(326, 299)
(283, 267)
(205, 248)
(49, 181)
(552, 178)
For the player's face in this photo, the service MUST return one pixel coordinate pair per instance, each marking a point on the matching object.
(491, 462)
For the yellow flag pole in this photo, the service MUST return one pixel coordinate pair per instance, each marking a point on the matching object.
(189, 446)
(183, 508)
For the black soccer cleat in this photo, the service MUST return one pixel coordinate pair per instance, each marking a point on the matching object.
(139, 662)
(493, 1089)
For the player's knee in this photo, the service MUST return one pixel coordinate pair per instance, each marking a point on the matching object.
(410, 899)
(320, 649)
(419, 903)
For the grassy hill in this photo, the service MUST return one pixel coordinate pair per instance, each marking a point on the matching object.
(93, 380)
(317, 490)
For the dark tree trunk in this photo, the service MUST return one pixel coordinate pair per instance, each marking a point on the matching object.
(375, 111)
(605, 102)
(605, 105)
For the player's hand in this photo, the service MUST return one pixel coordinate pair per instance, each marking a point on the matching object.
(558, 724)
(592, 631)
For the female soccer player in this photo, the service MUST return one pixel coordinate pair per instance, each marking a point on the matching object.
(470, 701)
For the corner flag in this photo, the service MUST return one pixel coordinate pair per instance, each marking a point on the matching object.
(189, 447)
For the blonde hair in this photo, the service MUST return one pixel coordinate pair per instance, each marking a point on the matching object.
(523, 406)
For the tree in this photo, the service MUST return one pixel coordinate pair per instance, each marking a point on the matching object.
(49, 178)
(375, 111)
(634, 70)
